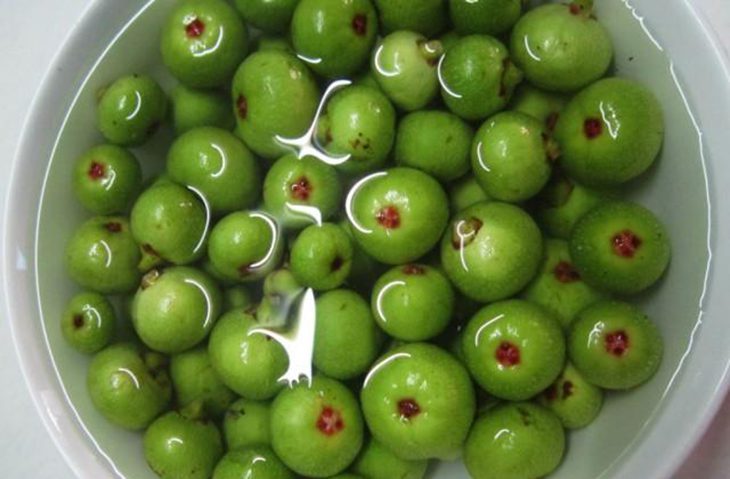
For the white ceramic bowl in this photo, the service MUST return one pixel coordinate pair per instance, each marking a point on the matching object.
(642, 434)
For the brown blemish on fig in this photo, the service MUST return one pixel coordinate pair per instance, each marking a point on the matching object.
(78, 321)
(408, 408)
(330, 421)
(552, 120)
(465, 231)
(503, 78)
(242, 107)
(113, 227)
(525, 416)
(565, 272)
(625, 244)
(592, 128)
(575, 9)
(244, 270)
(431, 60)
(552, 150)
(507, 354)
(147, 248)
(150, 278)
(617, 343)
(414, 269)
(388, 217)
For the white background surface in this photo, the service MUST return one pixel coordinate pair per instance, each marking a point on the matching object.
(32, 32)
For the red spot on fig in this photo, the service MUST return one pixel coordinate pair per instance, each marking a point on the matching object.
(330, 421)
(551, 393)
(96, 170)
(360, 24)
(565, 272)
(592, 128)
(301, 189)
(113, 227)
(413, 269)
(625, 244)
(567, 389)
(388, 217)
(575, 9)
(195, 28)
(408, 408)
(242, 107)
(78, 321)
(507, 354)
(617, 343)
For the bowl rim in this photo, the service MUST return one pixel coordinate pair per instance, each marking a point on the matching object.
(37, 365)
(38, 368)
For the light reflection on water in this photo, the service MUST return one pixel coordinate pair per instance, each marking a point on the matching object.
(296, 335)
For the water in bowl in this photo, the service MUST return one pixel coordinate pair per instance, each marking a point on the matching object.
(670, 190)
